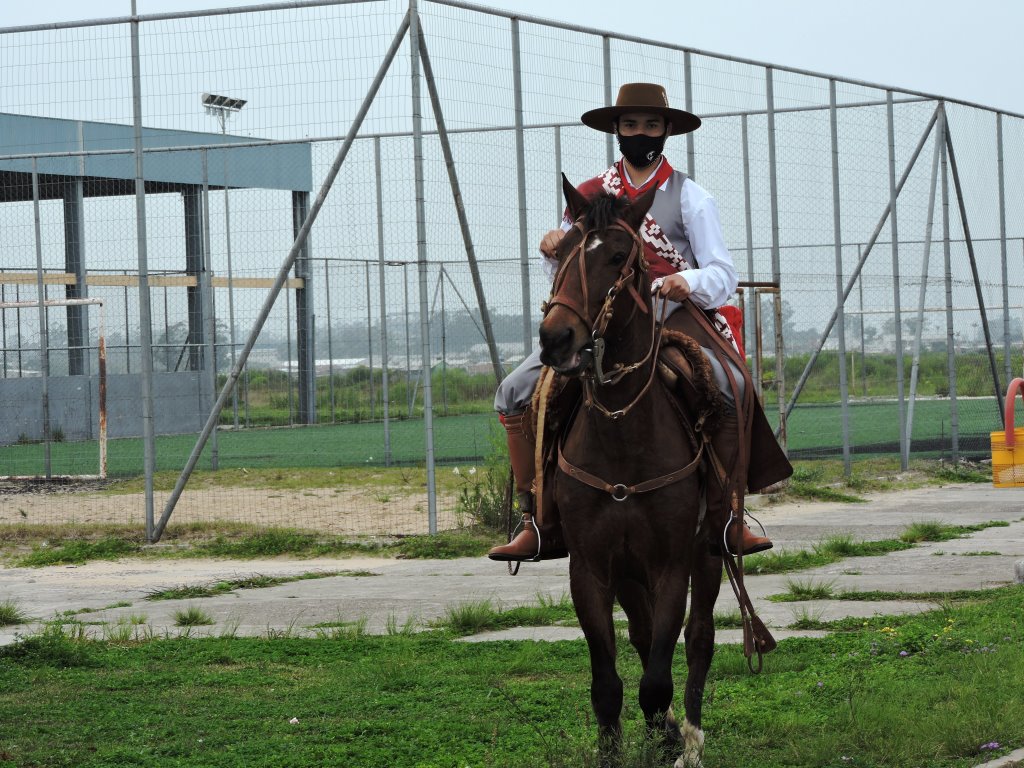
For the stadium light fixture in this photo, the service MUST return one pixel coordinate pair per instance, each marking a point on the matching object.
(222, 107)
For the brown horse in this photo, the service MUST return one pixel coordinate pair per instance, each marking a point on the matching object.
(628, 492)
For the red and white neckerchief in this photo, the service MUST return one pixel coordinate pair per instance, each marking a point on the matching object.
(656, 242)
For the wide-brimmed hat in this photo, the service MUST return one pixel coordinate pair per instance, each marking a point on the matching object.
(641, 97)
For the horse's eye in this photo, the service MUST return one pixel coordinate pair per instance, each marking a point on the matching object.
(619, 259)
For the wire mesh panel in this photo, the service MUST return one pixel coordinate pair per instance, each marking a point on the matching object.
(245, 117)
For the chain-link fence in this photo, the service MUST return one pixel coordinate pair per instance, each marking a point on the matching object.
(255, 194)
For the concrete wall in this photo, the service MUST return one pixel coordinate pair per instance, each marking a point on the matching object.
(74, 401)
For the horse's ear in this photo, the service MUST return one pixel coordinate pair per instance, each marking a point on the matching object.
(575, 202)
(635, 213)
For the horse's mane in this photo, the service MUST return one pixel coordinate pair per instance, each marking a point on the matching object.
(603, 211)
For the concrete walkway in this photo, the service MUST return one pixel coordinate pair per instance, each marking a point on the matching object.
(419, 591)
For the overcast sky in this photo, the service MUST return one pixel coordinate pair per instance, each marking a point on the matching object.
(969, 51)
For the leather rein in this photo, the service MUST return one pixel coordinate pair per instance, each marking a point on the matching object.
(591, 371)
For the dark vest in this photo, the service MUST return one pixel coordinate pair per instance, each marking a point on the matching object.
(667, 211)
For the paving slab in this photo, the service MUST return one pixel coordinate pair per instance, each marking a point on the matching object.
(415, 593)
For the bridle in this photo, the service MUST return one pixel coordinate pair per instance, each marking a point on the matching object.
(591, 368)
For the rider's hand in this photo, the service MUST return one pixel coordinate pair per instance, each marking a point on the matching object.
(673, 287)
(549, 243)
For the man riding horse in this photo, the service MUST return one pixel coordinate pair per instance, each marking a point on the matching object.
(684, 244)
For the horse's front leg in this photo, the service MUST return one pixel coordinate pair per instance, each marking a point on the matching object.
(656, 687)
(592, 597)
(700, 648)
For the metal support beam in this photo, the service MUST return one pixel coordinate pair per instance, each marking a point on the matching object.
(1004, 267)
(855, 275)
(44, 326)
(145, 311)
(773, 184)
(421, 252)
(382, 279)
(691, 160)
(305, 318)
(74, 264)
(837, 238)
(209, 311)
(974, 274)
(919, 331)
(896, 299)
(606, 60)
(524, 247)
(750, 326)
(191, 198)
(947, 261)
(460, 210)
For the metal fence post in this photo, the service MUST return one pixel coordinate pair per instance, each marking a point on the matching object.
(922, 296)
(837, 235)
(385, 392)
(559, 206)
(524, 248)
(1007, 367)
(330, 338)
(751, 325)
(231, 287)
(145, 321)
(860, 327)
(780, 366)
(421, 259)
(606, 65)
(410, 392)
(954, 416)
(772, 176)
(897, 313)
(369, 340)
(206, 297)
(44, 328)
(691, 160)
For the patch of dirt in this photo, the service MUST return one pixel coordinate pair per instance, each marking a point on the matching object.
(341, 511)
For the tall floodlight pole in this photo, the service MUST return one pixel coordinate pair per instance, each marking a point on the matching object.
(223, 107)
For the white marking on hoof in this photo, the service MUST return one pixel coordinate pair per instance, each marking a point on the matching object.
(595, 243)
(693, 747)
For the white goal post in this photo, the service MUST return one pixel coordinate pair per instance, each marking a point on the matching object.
(101, 373)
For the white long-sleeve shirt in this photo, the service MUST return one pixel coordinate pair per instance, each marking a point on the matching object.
(714, 278)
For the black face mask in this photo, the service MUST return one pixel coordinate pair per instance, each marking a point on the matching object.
(641, 150)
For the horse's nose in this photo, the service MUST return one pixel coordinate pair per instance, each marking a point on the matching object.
(552, 340)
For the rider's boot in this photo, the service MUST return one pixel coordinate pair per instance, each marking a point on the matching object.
(535, 540)
(725, 496)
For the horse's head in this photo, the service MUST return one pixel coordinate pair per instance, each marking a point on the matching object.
(602, 279)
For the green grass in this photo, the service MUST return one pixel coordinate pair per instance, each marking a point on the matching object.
(810, 589)
(192, 617)
(483, 616)
(931, 530)
(75, 544)
(78, 551)
(829, 551)
(836, 548)
(11, 614)
(420, 699)
(256, 581)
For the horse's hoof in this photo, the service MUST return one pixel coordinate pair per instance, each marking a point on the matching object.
(693, 747)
